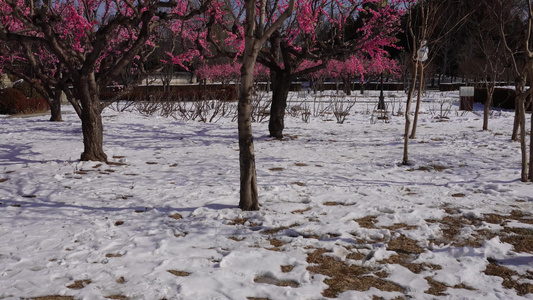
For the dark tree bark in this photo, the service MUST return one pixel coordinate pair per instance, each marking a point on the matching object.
(255, 37)
(405, 158)
(93, 138)
(486, 109)
(523, 140)
(55, 108)
(91, 120)
(418, 99)
(92, 70)
(347, 86)
(531, 141)
(248, 185)
(281, 85)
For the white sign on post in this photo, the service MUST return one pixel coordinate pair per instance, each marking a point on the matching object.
(466, 91)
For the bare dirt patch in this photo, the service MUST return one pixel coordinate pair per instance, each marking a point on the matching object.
(343, 277)
(404, 244)
(176, 216)
(275, 281)
(435, 287)
(109, 255)
(368, 222)
(300, 211)
(277, 169)
(276, 243)
(278, 229)
(511, 279)
(520, 238)
(79, 284)
(287, 268)
(118, 297)
(238, 221)
(179, 273)
(429, 168)
(400, 226)
(53, 297)
(405, 260)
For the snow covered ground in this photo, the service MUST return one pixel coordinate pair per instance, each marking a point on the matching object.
(340, 216)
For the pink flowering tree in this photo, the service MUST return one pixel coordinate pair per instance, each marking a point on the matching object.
(223, 73)
(91, 43)
(346, 71)
(44, 76)
(317, 31)
(321, 31)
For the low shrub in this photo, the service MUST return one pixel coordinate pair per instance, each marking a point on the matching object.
(13, 101)
(32, 105)
(9, 98)
(177, 93)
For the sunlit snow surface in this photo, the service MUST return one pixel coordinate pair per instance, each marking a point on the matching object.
(63, 221)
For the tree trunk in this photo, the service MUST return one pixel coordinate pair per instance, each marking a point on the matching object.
(281, 85)
(531, 144)
(93, 137)
(516, 124)
(348, 86)
(91, 120)
(418, 99)
(55, 108)
(405, 160)
(248, 188)
(523, 142)
(486, 109)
